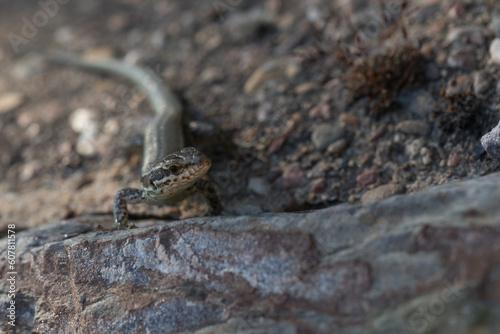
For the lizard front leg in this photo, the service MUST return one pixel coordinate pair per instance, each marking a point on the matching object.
(120, 211)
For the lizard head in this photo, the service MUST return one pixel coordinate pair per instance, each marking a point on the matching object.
(171, 176)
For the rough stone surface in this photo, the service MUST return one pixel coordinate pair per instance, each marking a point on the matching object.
(406, 263)
(491, 142)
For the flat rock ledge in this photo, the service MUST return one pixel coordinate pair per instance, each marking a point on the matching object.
(427, 262)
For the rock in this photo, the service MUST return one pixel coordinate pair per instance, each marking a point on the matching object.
(476, 35)
(84, 122)
(491, 142)
(463, 57)
(350, 119)
(325, 134)
(457, 10)
(258, 185)
(265, 72)
(319, 186)
(368, 177)
(426, 156)
(495, 25)
(413, 127)
(306, 87)
(340, 96)
(246, 25)
(320, 111)
(210, 75)
(412, 149)
(375, 263)
(363, 158)
(382, 192)
(293, 176)
(337, 147)
(378, 133)
(459, 85)
(482, 82)
(453, 160)
(495, 50)
(10, 101)
(103, 52)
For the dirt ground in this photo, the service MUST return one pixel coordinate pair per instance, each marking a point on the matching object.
(329, 101)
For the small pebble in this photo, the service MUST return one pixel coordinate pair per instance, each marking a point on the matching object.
(258, 185)
(293, 176)
(453, 160)
(319, 186)
(472, 34)
(413, 148)
(320, 111)
(463, 58)
(495, 25)
(426, 156)
(457, 10)
(325, 134)
(291, 70)
(368, 177)
(363, 158)
(377, 133)
(381, 192)
(265, 72)
(103, 52)
(491, 142)
(459, 85)
(10, 101)
(350, 119)
(306, 87)
(318, 171)
(210, 74)
(337, 147)
(243, 26)
(413, 127)
(84, 122)
(482, 82)
(495, 50)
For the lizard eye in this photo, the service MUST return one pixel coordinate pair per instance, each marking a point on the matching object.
(174, 169)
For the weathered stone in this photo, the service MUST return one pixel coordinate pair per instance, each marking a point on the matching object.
(491, 142)
(278, 273)
(325, 134)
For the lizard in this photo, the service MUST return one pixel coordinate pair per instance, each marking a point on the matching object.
(170, 171)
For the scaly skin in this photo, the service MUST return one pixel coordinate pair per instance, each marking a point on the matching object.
(170, 172)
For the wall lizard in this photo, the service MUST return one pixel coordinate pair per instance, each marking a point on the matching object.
(170, 171)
